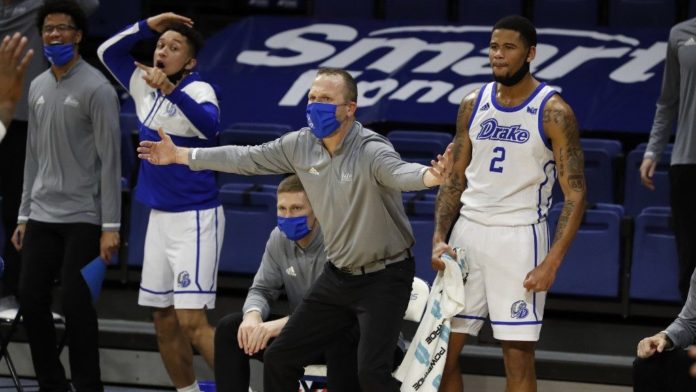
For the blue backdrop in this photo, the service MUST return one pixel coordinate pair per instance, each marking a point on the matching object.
(263, 67)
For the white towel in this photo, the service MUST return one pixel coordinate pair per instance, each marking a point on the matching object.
(421, 369)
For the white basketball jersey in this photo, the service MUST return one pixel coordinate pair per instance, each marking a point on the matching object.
(512, 168)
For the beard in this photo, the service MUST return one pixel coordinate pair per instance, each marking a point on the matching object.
(511, 80)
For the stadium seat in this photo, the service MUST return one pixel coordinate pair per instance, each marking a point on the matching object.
(576, 13)
(642, 13)
(612, 147)
(420, 210)
(655, 267)
(602, 160)
(487, 12)
(443, 138)
(249, 218)
(137, 228)
(129, 125)
(636, 196)
(657, 210)
(250, 134)
(251, 187)
(436, 10)
(419, 146)
(364, 9)
(591, 268)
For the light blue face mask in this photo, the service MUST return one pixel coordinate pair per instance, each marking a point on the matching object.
(295, 228)
(321, 118)
(59, 54)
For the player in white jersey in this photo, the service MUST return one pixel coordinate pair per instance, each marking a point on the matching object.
(186, 224)
(512, 137)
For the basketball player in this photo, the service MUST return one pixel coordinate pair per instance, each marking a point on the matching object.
(186, 225)
(511, 136)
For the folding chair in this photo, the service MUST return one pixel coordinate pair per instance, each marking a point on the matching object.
(14, 318)
(414, 312)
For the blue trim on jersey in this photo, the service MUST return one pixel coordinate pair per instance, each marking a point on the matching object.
(516, 323)
(518, 107)
(476, 105)
(542, 133)
(536, 260)
(176, 292)
(217, 251)
(470, 317)
(204, 116)
(156, 292)
(541, 186)
(194, 292)
(198, 248)
(154, 109)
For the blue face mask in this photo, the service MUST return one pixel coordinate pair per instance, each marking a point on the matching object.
(294, 228)
(321, 118)
(59, 54)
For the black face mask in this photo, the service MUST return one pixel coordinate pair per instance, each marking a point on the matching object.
(176, 77)
(514, 78)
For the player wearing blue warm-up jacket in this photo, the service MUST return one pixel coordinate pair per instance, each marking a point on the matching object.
(185, 230)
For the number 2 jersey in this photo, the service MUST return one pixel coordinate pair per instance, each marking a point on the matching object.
(512, 168)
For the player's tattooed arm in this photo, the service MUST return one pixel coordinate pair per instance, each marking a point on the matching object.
(447, 204)
(561, 127)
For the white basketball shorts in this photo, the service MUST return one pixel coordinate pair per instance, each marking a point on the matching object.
(500, 257)
(182, 251)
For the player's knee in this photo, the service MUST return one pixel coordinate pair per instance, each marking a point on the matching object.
(193, 327)
(165, 322)
(519, 359)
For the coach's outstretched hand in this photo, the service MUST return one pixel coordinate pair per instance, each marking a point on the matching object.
(440, 168)
(160, 22)
(164, 152)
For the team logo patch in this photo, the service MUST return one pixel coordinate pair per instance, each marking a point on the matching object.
(183, 280)
(519, 310)
(170, 109)
(531, 110)
(490, 130)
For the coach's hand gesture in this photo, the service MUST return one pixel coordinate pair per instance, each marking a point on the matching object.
(440, 168)
(163, 152)
(160, 22)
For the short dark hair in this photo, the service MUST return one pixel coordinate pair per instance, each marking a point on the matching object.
(67, 7)
(290, 184)
(520, 24)
(194, 37)
(351, 93)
